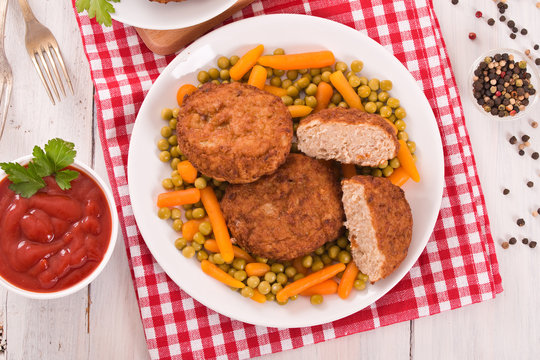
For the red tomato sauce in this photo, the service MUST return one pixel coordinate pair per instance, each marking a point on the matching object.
(55, 238)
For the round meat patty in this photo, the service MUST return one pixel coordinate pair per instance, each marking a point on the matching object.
(234, 132)
(289, 213)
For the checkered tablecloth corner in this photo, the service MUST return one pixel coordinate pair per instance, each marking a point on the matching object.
(458, 266)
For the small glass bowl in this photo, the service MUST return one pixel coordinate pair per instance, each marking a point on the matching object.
(531, 68)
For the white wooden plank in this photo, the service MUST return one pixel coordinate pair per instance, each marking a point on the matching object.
(506, 327)
(46, 329)
(3, 324)
(116, 330)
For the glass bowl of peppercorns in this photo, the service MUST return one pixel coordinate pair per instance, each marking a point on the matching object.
(504, 84)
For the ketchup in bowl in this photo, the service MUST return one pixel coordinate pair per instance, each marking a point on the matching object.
(55, 238)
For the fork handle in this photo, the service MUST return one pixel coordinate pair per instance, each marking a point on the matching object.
(27, 11)
(3, 11)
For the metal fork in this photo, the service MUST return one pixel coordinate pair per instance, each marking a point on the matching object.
(39, 41)
(6, 78)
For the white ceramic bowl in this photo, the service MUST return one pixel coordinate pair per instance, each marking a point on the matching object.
(531, 68)
(112, 241)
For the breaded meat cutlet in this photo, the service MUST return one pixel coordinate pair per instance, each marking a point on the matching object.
(234, 132)
(380, 223)
(289, 213)
(349, 136)
(166, 1)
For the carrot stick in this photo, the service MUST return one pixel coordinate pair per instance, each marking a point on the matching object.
(211, 245)
(407, 161)
(275, 90)
(187, 171)
(299, 110)
(191, 227)
(258, 297)
(327, 287)
(246, 62)
(221, 233)
(347, 280)
(323, 95)
(399, 177)
(306, 282)
(392, 124)
(184, 90)
(346, 90)
(257, 77)
(317, 59)
(349, 170)
(212, 270)
(297, 263)
(257, 269)
(179, 197)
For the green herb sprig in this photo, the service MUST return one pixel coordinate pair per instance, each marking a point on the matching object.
(99, 9)
(56, 155)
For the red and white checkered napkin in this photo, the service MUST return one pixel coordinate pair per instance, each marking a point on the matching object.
(458, 266)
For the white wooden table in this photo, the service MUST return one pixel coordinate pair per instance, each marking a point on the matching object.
(103, 321)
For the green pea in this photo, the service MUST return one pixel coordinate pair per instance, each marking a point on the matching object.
(359, 285)
(342, 242)
(247, 292)
(270, 297)
(203, 255)
(385, 111)
(277, 267)
(276, 287)
(269, 72)
(370, 107)
(166, 114)
(326, 259)
(349, 74)
(177, 180)
(180, 243)
(412, 146)
(311, 101)
(400, 113)
(357, 66)
(325, 76)
(200, 183)
(364, 81)
(400, 125)
(383, 164)
(303, 71)
(224, 74)
(299, 102)
(231, 271)
(316, 79)
(383, 96)
(392, 118)
(275, 81)
(311, 89)
(333, 252)
(292, 91)
(172, 123)
(362, 276)
(316, 299)
(261, 259)
(317, 265)
(281, 278)
(303, 82)
(354, 81)
(343, 104)
(402, 135)
(164, 213)
(279, 51)
(215, 82)
(174, 163)
(240, 275)
(270, 277)
(364, 91)
(386, 85)
(188, 214)
(387, 171)
(213, 73)
(239, 264)
(298, 276)
(167, 184)
(279, 73)
(205, 228)
(331, 106)
(344, 256)
(203, 77)
(223, 62)
(233, 60)
(290, 271)
(198, 213)
(175, 112)
(264, 287)
(374, 84)
(188, 251)
(163, 144)
(393, 103)
(319, 251)
(315, 72)
(166, 131)
(336, 98)
(199, 238)
(175, 152)
(287, 100)
(307, 261)
(196, 246)
(173, 140)
(253, 281)
(177, 225)
(376, 172)
(292, 75)
(218, 259)
(286, 83)
(394, 163)
(373, 96)
(341, 66)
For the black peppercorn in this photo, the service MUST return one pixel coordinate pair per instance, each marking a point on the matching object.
(491, 22)
(530, 184)
(511, 23)
(515, 29)
(524, 31)
(520, 222)
(512, 241)
(512, 36)
(535, 155)
(455, 2)
(537, 61)
(525, 138)
(502, 18)
(521, 152)
(532, 244)
(513, 140)
(525, 241)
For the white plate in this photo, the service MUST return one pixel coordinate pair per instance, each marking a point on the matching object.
(175, 15)
(294, 33)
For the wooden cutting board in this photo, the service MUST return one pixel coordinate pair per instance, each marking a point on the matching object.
(165, 42)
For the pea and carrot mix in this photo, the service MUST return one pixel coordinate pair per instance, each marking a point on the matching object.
(306, 83)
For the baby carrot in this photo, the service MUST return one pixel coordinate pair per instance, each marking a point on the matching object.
(299, 110)
(257, 269)
(346, 90)
(187, 171)
(191, 227)
(212, 270)
(184, 90)
(246, 62)
(221, 233)
(275, 90)
(325, 288)
(323, 95)
(347, 280)
(179, 197)
(399, 177)
(407, 161)
(257, 77)
(393, 126)
(258, 297)
(304, 283)
(211, 245)
(349, 170)
(317, 59)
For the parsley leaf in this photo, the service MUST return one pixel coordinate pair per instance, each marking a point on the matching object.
(58, 154)
(99, 9)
